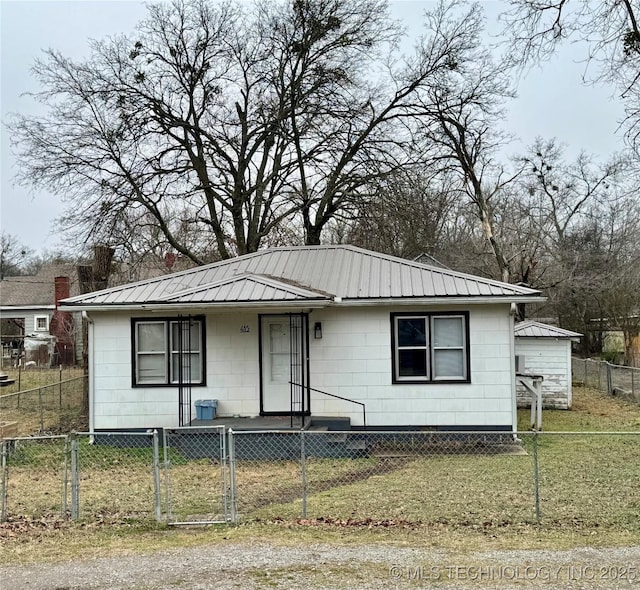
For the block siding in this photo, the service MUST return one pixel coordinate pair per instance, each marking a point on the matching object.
(353, 359)
(551, 358)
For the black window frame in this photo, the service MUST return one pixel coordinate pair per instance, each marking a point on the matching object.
(168, 320)
(429, 350)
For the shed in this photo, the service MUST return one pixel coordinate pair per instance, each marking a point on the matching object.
(545, 350)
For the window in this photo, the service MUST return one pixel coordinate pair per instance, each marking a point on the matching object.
(168, 351)
(430, 347)
(41, 323)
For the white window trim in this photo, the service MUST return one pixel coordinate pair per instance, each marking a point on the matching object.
(462, 348)
(46, 323)
(168, 353)
(430, 349)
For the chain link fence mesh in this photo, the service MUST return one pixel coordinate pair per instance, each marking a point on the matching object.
(34, 478)
(618, 380)
(589, 479)
(115, 476)
(196, 475)
(416, 476)
(53, 408)
(476, 479)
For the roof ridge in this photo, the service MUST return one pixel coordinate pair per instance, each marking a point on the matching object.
(259, 278)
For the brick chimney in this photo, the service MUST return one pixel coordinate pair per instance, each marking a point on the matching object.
(61, 325)
(62, 289)
(170, 259)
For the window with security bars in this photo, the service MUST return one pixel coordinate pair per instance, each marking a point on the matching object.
(168, 351)
(430, 347)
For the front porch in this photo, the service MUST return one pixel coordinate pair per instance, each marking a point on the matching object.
(261, 423)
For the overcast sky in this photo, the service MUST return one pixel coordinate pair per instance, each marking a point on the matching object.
(552, 101)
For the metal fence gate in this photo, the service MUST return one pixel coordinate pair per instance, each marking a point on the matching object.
(197, 483)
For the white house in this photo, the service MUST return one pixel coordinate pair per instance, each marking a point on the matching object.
(283, 331)
(545, 350)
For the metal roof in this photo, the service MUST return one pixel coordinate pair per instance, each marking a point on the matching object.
(307, 273)
(532, 329)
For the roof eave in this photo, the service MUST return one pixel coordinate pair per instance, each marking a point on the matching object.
(306, 303)
(25, 307)
(165, 307)
(455, 300)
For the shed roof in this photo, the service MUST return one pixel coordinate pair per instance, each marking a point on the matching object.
(306, 273)
(533, 329)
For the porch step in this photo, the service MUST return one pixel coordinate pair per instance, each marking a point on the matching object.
(5, 381)
(331, 422)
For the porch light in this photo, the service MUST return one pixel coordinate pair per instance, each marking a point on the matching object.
(317, 330)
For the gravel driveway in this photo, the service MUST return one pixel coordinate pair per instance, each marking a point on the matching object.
(262, 565)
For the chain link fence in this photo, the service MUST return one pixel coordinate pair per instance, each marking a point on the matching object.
(53, 408)
(196, 475)
(205, 475)
(35, 477)
(608, 378)
(92, 476)
(115, 477)
(452, 479)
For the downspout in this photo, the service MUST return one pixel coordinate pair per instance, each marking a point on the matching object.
(90, 369)
(513, 310)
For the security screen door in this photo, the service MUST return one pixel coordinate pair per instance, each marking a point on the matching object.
(284, 363)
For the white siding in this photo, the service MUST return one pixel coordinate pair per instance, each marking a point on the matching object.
(353, 359)
(551, 358)
(232, 374)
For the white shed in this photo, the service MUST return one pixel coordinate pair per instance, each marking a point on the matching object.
(545, 350)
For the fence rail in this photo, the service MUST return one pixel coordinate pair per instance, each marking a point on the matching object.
(191, 476)
(618, 380)
(52, 408)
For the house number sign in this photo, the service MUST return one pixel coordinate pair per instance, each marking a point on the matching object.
(245, 329)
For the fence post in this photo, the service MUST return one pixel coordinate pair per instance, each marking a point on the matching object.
(60, 389)
(75, 479)
(232, 475)
(598, 366)
(5, 483)
(41, 409)
(222, 439)
(536, 475)
(633, 385)
(156, 476)
(65, 483)
(167, 481)
(303, 468)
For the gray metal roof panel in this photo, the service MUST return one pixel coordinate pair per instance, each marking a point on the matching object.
(533, 329)
(245, 287)
(341, 271)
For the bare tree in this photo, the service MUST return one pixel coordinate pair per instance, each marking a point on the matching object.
(406, 217)
(14, 256)
(610, 29)
(460, 128)
(224, 124)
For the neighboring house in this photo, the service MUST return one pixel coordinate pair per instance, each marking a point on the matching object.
(31, 326)
(278, 332)
(545, 350)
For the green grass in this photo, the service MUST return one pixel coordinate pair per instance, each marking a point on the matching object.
(461, 498)
(44, 400)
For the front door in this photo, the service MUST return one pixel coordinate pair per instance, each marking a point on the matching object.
(284, 364)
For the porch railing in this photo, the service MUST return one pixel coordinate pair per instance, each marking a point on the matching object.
(346, 399)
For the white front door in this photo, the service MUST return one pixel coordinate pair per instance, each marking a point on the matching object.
(282, 357)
